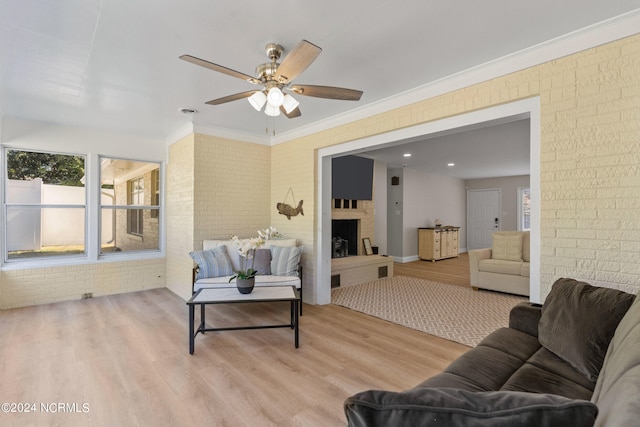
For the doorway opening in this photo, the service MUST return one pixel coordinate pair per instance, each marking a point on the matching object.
(528, 108)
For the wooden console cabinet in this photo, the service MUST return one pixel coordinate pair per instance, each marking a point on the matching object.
(438, 243)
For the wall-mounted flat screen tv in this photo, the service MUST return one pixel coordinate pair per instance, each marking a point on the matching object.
(352, 178)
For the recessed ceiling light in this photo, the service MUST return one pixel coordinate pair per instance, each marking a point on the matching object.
(451, 164)
(406, 155)
(188, 110)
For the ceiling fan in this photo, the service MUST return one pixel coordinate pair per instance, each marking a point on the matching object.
(276, 80)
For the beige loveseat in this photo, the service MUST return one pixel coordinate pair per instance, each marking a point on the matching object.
(277, 263)
(505, 266)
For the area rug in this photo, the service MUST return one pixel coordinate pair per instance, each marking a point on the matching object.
(455, 313)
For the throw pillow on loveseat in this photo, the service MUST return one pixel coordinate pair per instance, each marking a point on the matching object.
(278, 260)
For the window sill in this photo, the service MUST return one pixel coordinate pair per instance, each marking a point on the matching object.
(73, 261)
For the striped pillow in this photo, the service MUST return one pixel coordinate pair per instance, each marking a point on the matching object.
(285, 260)
(212, 262)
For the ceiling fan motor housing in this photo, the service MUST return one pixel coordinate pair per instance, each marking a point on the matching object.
(266, 71)
(274, 51)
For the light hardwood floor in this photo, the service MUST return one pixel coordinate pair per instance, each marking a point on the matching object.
(126, 356)
(454, 271)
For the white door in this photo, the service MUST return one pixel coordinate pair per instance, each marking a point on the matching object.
(483, 217)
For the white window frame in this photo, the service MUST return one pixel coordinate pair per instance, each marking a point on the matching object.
(92, 214)
(40, 260)
(521, 191)
(132, 193)
(135, 254)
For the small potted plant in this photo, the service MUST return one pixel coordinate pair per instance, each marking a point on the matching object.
(246, 277)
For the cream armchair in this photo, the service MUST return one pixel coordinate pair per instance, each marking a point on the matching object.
(505, 266)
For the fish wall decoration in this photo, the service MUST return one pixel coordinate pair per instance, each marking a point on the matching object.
(288, 210)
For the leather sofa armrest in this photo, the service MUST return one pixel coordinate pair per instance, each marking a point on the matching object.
(525, 317)
(475, 256)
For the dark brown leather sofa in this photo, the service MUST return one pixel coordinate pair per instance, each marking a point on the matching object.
(555, 365)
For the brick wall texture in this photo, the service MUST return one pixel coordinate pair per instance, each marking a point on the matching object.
(590, 159)
(590, 182)
(179, 208)
(216, 188)
(52, 284)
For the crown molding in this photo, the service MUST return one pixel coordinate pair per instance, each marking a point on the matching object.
(179, 133)
(231, 134)
(586, 38)
(191, 128)
(603, 32)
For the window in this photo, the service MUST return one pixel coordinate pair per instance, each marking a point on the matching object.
(135, 217)
(46, 216)
(155, 192)
(45, 205)
(129, 206)
(524, 208)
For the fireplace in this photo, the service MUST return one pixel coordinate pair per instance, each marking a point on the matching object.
(344, 237)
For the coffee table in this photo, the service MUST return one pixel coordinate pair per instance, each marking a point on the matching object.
(232, 296)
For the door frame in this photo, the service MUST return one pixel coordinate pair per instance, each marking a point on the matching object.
(525, 108)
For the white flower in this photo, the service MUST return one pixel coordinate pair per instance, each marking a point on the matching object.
(247, 249)
(268, 233)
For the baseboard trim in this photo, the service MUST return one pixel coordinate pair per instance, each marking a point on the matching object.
(406, 259)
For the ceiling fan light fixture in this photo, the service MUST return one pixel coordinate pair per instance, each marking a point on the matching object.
(289, 103)
(275, 97)
(273, 77)
(272, 110)
(257, 100)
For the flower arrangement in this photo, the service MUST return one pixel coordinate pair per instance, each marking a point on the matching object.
(247, 250)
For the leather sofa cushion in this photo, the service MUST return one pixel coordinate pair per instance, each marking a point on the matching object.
(424, 407)
(616, 392)
(500, 266)
(490, 364)
(545, 372)
(578, 322)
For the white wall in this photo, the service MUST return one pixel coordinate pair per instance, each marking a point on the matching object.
(395, 223)
(427, 197)
(509, 191)
(29, 282)
(416, 202)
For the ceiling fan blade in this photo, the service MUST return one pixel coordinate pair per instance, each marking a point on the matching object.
(219, 68)
(297, 61)
(292, 115)
(329, 92)
(230, 98)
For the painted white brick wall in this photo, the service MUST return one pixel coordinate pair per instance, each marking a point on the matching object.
(216, 188)
(590, 181)
(180, 177)
(52, 284)
(590, 160)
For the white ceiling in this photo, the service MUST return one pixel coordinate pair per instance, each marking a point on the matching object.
(487, 151)
(113, 64)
